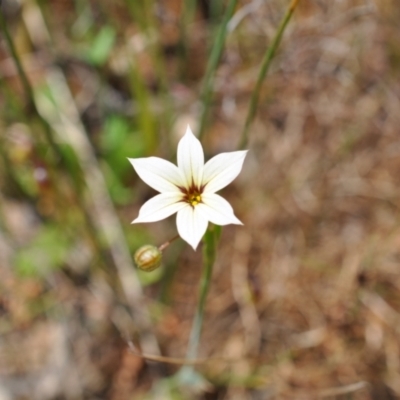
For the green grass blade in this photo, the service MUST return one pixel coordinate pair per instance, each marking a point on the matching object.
(266, 62)
(215, 56)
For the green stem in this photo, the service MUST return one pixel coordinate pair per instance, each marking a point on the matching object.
(215, 56)
(209, 253)
(25, 82)
(143, 14)
(188, 13)
(266, 62)
(14, 54)
(187, 375)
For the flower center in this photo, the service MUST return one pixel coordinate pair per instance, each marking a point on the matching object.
(193, 198)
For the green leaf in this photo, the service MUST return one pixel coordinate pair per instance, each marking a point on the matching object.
(120, 194)
(116, 130)
(118, 142)
(45, 253)
(102, 45)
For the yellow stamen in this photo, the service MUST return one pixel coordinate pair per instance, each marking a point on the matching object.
(194, 199)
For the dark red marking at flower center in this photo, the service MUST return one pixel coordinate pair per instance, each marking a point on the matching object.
(192, 195)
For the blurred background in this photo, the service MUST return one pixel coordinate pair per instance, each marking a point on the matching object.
(305, 297)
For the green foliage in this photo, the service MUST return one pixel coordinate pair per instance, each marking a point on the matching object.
(118, 142)
(101, 46)
(25, 180)
(120, 194)
(46, 252)
(148, 278)
(73, 165)
(115, 132)
(146, 118)
(137, 237)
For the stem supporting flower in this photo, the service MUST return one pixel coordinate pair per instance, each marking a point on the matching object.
(187, 373)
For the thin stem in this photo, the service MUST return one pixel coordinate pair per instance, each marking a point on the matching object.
(187, 375)
(188, 13)
(144, 15)
(167, 243)
(215, 56)
(209, 254)
(266, 62)
(15, 56)
(26, 85)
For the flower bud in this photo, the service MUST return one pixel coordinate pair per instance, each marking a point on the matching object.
(148, 257)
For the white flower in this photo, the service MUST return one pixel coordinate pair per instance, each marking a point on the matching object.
(189, 188)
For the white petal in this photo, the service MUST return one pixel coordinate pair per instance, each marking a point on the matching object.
(160, 207)
(191, 225)
(222, 169)
(217, 210)
(191, 158)
(160, 174)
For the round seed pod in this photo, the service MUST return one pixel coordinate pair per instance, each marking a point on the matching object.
(148, 258)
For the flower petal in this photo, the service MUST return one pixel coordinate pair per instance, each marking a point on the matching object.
(160, 207)
(191, 158)
(222, 169)
(160, 174)
(217, 210)
(191, 225)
